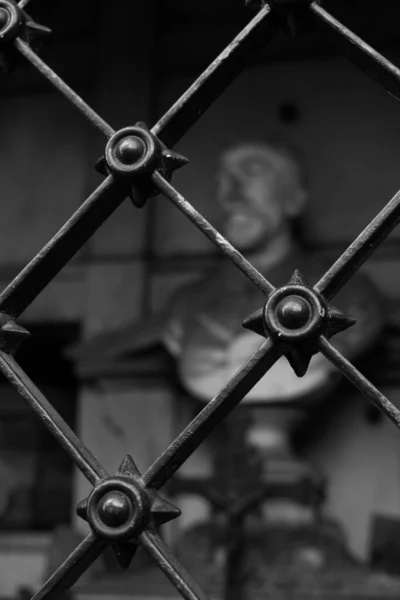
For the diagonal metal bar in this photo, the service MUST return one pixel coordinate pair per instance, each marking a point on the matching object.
(216, 78)
(61, 248)
(72, 568)
(376, 66)
(211, 415)
(176, 573)
(23, 3)
(362, 247)
(82, 457)
(357, 379)
(201, 223)
(26, 51)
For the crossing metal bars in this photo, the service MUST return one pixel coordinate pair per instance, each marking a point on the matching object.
(126, 509)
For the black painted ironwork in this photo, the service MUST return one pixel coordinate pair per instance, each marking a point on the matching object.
(125, 509)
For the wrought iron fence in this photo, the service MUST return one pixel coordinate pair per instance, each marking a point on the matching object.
(125, 509)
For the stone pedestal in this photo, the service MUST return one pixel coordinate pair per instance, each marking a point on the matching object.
(295, 488)
(266, 536)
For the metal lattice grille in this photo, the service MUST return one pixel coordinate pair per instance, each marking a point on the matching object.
(126, 509)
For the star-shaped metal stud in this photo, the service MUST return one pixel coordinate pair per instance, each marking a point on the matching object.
(130, 151)
(120, 507)
(294, 316)
(16, 23)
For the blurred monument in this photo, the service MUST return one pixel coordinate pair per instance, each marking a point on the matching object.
(262, 189)
(263, 193)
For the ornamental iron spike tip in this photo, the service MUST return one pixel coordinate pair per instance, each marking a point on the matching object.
(81, 509)
(338, 321)
(101, 166)
(164, 511)
(124, 552)
(128, 468)
(137, 196)
(142, 124)
(299, 359)
(255, 322)
(12, 335)
(297, 278)
(36, 30)
(12, 329)
(174, 160)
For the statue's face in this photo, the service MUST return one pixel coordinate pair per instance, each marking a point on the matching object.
(258, 189)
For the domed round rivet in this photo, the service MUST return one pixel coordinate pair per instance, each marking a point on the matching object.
(11, 18)
(130, 149)
(293, 312)
(4, 17)
(114, 509)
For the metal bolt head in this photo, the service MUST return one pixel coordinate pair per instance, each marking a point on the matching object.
(130, 149)
(293, 312)
(115, 509)
(11, 18)
(4, 17)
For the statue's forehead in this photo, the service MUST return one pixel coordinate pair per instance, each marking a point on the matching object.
(241, 161)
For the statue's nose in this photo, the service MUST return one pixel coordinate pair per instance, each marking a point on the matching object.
(235, 196)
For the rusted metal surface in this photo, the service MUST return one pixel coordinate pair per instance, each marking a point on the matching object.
(126, 509)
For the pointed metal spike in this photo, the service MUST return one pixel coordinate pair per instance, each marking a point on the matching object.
(128, 467)
(81, 509)
(297, 278)
(142, 125)
(37, 28)
(255, 322)
(163, 511)
(101, 166)
(12, 329)
(174, 160)
(338, 321)
(12, 336)
(299, 359)
(137, 196)
(125, 551)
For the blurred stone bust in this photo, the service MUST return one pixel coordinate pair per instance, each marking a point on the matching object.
(263, 193)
